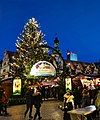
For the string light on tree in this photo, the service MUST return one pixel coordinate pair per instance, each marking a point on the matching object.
(30, 38)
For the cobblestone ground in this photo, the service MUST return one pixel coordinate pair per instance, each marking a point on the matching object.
(49, 111)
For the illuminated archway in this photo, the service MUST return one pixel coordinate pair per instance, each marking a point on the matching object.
(43, 68)
(49, 57)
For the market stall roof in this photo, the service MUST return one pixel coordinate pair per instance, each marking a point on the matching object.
(8, 78)
(88, 75)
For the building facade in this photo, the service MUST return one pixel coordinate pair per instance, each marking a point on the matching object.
(5, 66)
(6, 78)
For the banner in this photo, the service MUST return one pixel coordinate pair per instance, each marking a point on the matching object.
(43, 68)
(17, 86)
(68, 83)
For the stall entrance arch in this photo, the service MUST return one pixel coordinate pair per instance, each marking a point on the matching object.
(49, 69)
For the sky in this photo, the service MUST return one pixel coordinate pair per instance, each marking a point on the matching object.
(75, 22)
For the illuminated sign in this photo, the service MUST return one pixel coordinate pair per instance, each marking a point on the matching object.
(68, 83)
(73, 57)
(43, 68)
(17, 86)
(85, 82)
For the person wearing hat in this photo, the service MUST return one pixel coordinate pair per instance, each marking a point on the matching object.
(68, 104)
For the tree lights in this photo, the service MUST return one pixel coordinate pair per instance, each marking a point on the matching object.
(26, 53)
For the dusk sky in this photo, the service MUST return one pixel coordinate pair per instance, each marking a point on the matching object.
(76, 23)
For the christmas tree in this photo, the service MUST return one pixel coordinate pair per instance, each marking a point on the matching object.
(28, 51)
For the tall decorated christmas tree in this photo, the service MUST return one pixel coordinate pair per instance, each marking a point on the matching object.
(27, 49)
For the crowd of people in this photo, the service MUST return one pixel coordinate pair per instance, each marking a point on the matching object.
(78, 98)
(81, 98)
(33, 97)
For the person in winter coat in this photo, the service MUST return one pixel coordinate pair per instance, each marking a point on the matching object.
(4, 103)
(29, 102)
(86, 101)
(37, 104)
(97, 101)
(1, 95)
(77, 97)
(68, 104)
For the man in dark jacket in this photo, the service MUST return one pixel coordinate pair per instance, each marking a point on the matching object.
(29, 102)
(1, 95)
(86, 101)
(37, 104)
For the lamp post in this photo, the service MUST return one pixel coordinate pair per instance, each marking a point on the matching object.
(63, 75)
(56, 43)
